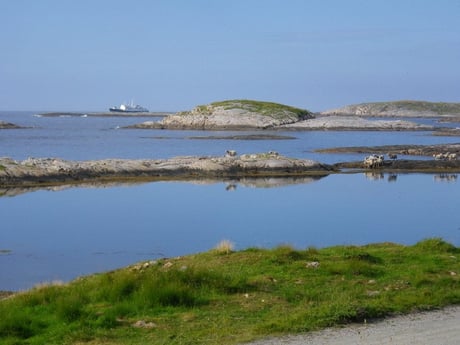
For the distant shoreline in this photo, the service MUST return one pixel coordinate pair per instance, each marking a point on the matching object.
(104, 113)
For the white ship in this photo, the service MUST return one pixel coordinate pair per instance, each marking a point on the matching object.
(129, 108)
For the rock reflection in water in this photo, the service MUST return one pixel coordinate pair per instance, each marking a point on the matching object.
(232, 184)
(378, 176)
(392, 177)
(374, 176)
(445, 178)
(15, 191)
(270, 182)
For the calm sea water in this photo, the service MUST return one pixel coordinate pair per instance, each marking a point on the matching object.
(60, 234)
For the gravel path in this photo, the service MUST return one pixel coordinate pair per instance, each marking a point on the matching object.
(440, 327)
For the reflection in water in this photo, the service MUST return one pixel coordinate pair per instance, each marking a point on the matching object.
(231, 187)
(378, 176)
(255, 182)
(231, 184)
(269, 182)
(445, 178)
(374, 176)
(392, 177)
(15, 191)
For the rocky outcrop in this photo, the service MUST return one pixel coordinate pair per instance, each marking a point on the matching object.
(231, 115)
(406, 165)
(447, 132)
(355, 123)
(49, 171)
(399, 109)
(7, 125)
(408, 150)
(261, 170)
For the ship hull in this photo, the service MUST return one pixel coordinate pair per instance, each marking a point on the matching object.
(117, 110)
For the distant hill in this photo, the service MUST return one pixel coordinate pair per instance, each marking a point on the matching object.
(399, 109)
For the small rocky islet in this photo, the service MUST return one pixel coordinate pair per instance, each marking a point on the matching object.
(49, 171)
(8, 125)
(405, 108)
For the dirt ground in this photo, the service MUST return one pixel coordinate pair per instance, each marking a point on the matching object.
(441, 327)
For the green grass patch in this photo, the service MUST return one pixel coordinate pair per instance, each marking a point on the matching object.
(439, 108)
(274, 110)
(228, 297)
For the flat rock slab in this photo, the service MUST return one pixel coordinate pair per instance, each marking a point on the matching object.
(8, 125)
(40, 171)
(412, 150)
(406, 166)
(356, 123)
(342, 123)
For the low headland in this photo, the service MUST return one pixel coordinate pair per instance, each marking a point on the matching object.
(49, 171)
(399, 109)
(54, 171)
(231, 297)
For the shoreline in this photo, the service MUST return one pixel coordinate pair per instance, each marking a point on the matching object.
(46, 172)
(104, 114)
(54, 171)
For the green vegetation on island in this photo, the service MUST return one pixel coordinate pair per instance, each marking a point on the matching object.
(274, 110)
(401, 108)
(440, 108)
(228, 297)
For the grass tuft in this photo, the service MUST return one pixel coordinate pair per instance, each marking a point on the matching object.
(437, 245)
(224, 247)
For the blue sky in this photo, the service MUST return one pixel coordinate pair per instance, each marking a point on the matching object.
(171, 55)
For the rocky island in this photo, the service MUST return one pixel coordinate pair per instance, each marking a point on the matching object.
(267, 167)
(348, 123)
(53, 171)
(399, 109)
(251, 115)
(8, 125)
(231, 115)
